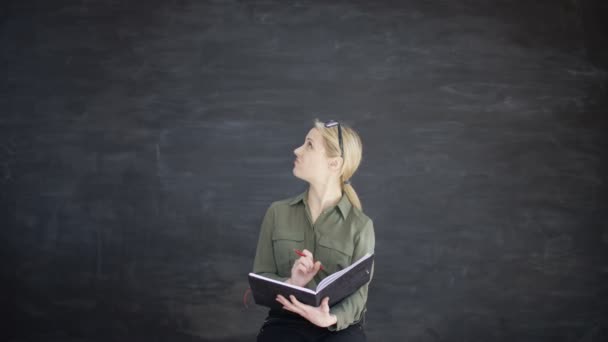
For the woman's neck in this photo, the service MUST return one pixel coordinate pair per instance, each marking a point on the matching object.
(321, 197)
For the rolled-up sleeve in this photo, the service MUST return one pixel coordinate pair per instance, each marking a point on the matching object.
(352, 308)
(264, 261)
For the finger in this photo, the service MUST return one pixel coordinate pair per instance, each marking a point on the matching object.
(295, 302)
(287, 305)
(307, 262)
(307, 259)
(317, 266)
(293, 309)
(325, 304)
(300, 261)
(307, 268)
(302, 269)
(281, 299)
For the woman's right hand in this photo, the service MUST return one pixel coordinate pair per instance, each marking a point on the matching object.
(304, 269)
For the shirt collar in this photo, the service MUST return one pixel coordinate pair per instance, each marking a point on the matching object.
(343, 205)
(298, 198)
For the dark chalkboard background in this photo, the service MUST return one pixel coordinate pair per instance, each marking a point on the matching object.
(142, 141)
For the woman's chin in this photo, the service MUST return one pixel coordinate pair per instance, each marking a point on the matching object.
(296, 174)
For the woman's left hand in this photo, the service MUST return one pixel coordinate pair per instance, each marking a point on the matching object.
(318, 316)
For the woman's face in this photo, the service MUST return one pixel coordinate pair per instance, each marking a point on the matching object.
(311, 163)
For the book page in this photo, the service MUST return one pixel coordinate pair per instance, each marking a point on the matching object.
(329, 279)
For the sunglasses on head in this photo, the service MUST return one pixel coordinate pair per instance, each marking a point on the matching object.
(332, 123)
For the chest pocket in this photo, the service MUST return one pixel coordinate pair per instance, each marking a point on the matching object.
(283, 244)
(335, 254)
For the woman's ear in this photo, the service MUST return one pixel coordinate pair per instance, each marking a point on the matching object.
(335, 163)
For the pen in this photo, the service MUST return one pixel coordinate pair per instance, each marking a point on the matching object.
(299, 252)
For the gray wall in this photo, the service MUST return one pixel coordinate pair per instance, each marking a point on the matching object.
(142, 141)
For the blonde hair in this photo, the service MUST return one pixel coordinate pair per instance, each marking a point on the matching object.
(353, 149)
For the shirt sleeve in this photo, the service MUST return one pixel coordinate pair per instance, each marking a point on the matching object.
(264, 262)
(351, 309)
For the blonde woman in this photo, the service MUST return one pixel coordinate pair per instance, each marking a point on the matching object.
(327, 224)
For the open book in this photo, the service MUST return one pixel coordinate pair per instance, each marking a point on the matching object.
(336, 286)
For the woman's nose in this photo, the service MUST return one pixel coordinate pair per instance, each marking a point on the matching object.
(297, 151)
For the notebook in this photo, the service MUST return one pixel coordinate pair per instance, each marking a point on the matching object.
(336, 286)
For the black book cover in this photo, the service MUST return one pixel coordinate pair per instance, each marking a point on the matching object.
(336, 286)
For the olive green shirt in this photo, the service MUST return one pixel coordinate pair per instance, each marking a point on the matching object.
(340, 236)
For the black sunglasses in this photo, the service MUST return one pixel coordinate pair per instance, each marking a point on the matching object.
(332, 123)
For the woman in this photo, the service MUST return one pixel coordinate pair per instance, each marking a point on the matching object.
(325, 223)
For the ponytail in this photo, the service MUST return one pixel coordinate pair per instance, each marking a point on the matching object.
(352, 195)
